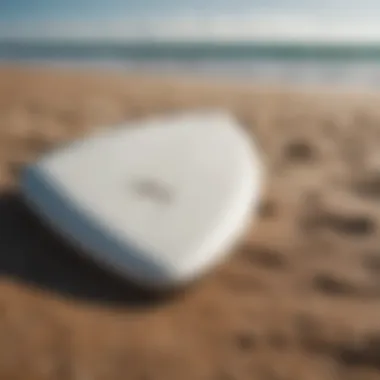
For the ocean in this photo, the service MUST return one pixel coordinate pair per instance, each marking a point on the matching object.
(301, 63)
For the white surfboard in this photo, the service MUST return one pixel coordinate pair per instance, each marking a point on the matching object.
(159, 201)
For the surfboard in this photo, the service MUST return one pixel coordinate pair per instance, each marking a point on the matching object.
(159, 201)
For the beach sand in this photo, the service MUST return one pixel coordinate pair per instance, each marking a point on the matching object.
(298, 299)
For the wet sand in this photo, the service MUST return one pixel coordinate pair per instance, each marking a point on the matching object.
(298, 299)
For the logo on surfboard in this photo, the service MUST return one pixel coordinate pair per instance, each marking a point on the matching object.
(153, 190)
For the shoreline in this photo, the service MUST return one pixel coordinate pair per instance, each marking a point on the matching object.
(186, 75)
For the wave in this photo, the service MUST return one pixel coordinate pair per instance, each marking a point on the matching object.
(269, 26)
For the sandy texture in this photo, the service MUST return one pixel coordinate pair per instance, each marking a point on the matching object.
(299, 299)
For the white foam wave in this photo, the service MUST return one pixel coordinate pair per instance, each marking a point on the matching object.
(270, 26)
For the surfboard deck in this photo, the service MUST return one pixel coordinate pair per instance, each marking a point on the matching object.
(159, 201)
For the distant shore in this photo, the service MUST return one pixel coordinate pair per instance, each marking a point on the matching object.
(308, 69)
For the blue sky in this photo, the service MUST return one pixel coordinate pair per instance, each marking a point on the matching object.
(42, 9)
(218, 19)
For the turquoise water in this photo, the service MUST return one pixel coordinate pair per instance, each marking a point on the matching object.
(285, 62)
(189, 51)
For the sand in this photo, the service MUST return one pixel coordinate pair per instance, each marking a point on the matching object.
(298, 299)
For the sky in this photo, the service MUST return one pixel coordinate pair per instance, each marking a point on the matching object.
(231, 20)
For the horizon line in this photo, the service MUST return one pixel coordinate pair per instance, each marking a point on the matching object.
(193, 41)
